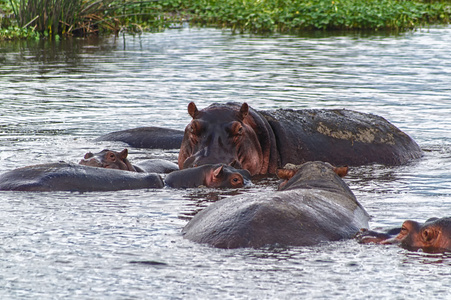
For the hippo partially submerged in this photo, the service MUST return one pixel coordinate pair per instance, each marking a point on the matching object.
(215, 176)
(147, 137)
(432, 236)
(108, 159)
(118, 160)
(74, 177)
(261, 141)
(315, 205)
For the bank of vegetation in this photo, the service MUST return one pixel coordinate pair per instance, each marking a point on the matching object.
(56, 18)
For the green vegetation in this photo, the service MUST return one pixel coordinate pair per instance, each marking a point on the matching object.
(294, 16)
(54, 18)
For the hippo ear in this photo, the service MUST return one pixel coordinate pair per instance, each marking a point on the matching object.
(192, 110)
(123, 154)
(341, 171)
(88, 155)
(218, 171)
(244, 111)
(285, 173)
(429, 236)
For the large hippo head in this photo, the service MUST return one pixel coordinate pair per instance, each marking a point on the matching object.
(231, 134)
(108, 159)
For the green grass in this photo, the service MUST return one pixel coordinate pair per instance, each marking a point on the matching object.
(54, 18)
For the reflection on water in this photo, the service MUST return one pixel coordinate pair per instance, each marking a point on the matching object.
(56, 97)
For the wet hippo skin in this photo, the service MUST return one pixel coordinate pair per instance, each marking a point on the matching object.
(74, 177)
(314, 206)
(147, 137)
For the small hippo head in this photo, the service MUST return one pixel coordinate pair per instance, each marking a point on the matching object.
(223, 176)
(223, 133)
(108, 159)
(432, 236)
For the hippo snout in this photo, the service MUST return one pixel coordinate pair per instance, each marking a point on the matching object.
(92, 162)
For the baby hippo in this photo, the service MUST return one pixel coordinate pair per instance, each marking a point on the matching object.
(432, 236)
(108, 159)
(118, 160)
(215, 176)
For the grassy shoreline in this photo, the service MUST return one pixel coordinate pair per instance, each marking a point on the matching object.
(57, 18)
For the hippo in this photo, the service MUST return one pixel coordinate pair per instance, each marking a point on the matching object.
(432, 236)
(108, 159)
(215, 176)
(156, 165)
(314, 206)
(118, 160)
(262, 141)
(75, 177)
(147, 137)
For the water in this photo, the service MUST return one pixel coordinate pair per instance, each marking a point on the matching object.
(56, 97)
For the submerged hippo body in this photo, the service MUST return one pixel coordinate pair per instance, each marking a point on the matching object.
(215, 176)
(147, 137)
(261, 141)
(74, 177)
(314, 206)
(434, 235)
(118, 160)
(156, 165)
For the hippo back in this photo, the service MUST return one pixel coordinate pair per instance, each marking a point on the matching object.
(340, 136)
(306, 212)
(318, 175)
(73, 177)
(295, 217)
(147, 137)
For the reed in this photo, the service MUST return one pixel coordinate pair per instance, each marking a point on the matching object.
(84, 17)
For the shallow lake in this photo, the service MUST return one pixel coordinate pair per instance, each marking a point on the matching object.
(56, 97)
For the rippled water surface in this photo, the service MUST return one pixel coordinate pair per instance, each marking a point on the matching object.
(56, 97)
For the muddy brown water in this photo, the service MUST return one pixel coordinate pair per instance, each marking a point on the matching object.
(56, 97)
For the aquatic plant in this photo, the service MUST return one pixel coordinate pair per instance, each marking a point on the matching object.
(290, 15)
(83, 17)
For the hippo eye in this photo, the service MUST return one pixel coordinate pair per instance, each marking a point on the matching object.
(235, 180)
(194, 128)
